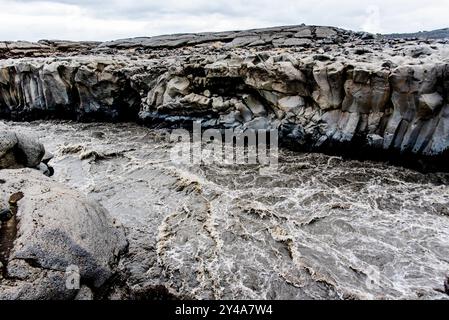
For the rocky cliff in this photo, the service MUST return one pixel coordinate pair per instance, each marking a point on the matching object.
(323, 88)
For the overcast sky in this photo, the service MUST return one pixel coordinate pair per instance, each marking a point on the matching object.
(113, 19)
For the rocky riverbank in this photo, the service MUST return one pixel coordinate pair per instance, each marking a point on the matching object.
(323, 88)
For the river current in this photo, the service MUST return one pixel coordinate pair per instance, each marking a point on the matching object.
(318, 227)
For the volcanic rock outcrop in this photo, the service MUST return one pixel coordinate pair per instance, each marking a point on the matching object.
(323, 88)
(55, 233)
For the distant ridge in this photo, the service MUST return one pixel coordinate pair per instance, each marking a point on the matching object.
(434, 34)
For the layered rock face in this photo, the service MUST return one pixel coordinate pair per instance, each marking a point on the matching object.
(323, 88)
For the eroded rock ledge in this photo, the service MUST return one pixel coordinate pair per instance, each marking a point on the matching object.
(323, 88)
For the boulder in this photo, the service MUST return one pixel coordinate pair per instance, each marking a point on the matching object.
(59, 231)
(18, 150)
(31, 151)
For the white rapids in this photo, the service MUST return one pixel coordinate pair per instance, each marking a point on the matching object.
(320, 227)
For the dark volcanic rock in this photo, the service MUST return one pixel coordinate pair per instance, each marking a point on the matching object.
(333, 86)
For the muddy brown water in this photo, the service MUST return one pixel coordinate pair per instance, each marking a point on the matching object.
(319, 227)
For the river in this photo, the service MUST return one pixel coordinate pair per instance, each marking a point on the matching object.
(318, 227)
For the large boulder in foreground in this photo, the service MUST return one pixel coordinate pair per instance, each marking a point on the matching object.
(59, 230)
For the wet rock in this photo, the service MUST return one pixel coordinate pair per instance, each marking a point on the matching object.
(59, 228)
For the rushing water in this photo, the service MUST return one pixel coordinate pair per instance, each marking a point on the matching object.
(319, 227)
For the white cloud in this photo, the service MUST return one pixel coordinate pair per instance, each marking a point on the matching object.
(372, 20)
(105, 20)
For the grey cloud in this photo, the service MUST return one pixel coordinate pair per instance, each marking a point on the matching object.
(119, 18)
